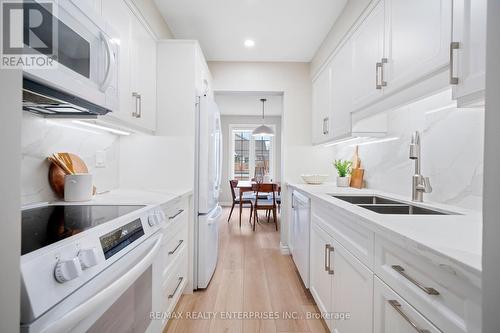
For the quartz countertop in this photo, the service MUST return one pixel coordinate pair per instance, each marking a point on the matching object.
(456, 237)
(128, 197)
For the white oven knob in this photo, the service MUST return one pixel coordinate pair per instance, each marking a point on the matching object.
(88, 257)
(160, 215)
(67, 270)
(152, 220)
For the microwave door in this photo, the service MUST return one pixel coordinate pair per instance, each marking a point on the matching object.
(84, 53)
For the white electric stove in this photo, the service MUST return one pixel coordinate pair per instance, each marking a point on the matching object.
(90, 268)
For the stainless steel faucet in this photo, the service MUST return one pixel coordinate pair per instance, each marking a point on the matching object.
(420, 184)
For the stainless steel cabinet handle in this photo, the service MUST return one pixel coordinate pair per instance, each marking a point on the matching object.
(327, 260)
(176, 287)
(330, 251)
(453, 46)
(427, 290)
(395, 304)
(326, 125)
(177, 214)
(138, 105)
(379, 68)
(176, 248)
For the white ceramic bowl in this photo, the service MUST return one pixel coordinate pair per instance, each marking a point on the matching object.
(314, 179)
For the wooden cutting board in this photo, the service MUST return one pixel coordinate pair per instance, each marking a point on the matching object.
(56, 174)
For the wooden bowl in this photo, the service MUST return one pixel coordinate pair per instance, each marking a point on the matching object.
(56, 174)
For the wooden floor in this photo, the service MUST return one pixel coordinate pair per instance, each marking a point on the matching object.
(253, 278)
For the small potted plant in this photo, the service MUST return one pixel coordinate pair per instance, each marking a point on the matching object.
(344, 170)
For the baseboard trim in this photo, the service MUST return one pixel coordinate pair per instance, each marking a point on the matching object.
(284, 249)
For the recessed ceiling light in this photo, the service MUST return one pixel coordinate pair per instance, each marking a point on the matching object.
(249, 43)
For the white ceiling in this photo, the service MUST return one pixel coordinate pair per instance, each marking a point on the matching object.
(246, 104)
(283, 30)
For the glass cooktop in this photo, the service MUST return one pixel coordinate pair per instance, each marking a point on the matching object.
(46, 225)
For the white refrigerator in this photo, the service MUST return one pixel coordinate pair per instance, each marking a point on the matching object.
(207, 187)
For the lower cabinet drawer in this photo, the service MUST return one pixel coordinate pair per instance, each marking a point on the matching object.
(392, 314)
(174, 209)
(173, 285)
(174, 248)
(449, 297)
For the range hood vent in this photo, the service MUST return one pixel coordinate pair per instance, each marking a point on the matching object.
(52, 103)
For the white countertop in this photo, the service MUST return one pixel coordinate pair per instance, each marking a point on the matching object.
(457, 237)
(128, 197)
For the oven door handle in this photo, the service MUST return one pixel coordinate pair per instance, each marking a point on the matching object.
(67, 322)
(110, 63)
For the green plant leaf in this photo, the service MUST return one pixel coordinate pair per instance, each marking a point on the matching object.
(343, 167)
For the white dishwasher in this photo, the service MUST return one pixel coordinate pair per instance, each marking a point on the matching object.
(300, 234)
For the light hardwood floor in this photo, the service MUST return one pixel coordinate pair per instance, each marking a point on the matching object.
(252, 277)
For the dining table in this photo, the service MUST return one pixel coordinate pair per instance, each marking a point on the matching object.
(247, 186)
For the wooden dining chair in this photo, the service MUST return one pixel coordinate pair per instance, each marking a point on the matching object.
(267, 204)
(247, 199)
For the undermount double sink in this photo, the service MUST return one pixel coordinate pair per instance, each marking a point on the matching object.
(383, 205)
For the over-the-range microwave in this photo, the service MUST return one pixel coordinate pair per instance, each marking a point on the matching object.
(84, 81)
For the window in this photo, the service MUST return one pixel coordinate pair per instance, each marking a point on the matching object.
(253, 156)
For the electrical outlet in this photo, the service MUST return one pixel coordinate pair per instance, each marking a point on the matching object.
(100, 159)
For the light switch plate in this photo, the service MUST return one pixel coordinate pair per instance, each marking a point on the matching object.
(100, 159)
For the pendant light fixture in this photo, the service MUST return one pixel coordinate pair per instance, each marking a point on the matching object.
(263, 130)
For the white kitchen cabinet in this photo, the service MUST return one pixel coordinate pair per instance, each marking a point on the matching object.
(468, 52)
(183, 76)
(417, 36)
(321, 105)
(341, 285)
(321, 278)
(143, 75)
(400, 43)
(352, 291)
(137, 66)
(332, 98)
(341, 92)
(367, 44)
(392, 314)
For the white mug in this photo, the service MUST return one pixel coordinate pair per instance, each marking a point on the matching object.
(78, 187)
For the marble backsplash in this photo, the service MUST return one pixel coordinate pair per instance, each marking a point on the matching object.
(452, 152)
(42, 137)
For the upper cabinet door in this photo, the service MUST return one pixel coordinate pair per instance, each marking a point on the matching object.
(367, 51)
(469, 53)
(321, 105)
(417, 40)
(143, 61)
(341, 92)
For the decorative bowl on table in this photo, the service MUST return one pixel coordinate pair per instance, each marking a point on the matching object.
(314, 179)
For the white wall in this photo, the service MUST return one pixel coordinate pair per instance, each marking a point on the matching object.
(249, 104)
(351, 12)
(156, 162)
(491, 225)
(41, 137)
(298, 156)
(227, 121)
(10, 235)
(452, 152)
